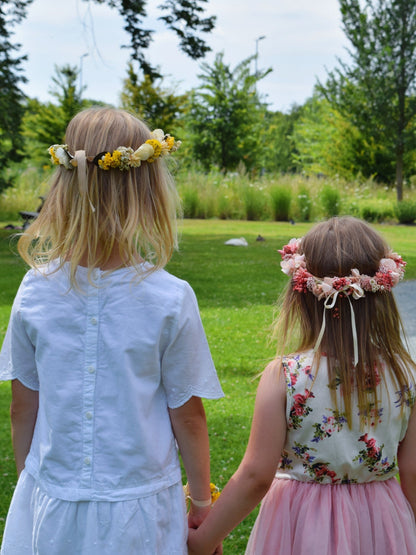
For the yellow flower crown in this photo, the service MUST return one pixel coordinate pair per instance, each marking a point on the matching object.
(123, 158)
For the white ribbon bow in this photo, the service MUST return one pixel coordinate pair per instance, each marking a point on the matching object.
(328, 305)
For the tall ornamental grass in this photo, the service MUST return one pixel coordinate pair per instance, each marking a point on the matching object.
(239, 196)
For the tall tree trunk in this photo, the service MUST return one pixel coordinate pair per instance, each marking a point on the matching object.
(399, 173)
(401, 93)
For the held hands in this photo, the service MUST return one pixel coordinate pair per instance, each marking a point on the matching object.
(196, 516)
(194, 547)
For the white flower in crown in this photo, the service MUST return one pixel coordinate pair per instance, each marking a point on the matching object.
(158, 134)
(143, 153)
(60, 155)
(125, 155)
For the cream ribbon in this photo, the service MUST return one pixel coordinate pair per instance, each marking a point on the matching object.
(81, 165)
(328, 305)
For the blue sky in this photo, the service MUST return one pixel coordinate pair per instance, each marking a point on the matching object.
(302, 37)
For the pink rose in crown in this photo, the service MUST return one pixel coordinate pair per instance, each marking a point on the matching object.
(291, 248)
(326, 286)
(290, 265)
(387, 265)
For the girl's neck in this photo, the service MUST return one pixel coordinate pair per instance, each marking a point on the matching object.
(115, 260)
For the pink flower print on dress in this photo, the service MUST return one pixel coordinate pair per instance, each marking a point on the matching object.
(308, 372)
(299, 409)
(372, 457)
(320, 471)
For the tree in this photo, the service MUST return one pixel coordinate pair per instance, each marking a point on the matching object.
(277, 133)
(65, 91)
(376, 91)
(148, 98)
(11, 97)
(225, 116)
(327, 143)
(184, 17)
(45, 123)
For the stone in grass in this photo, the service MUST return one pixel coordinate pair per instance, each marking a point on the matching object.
(240, 242)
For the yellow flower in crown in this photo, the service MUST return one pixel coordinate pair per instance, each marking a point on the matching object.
(167, 142)
(116, 159)
(54, 157)
(170, 141)
(105, 162)
(157, 149)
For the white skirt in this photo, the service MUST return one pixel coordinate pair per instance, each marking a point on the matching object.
(41, 525)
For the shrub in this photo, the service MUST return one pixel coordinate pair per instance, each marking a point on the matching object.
(376, 211)
(31, 184)
(304, 204)
(331, 201)
(254, 203)
(225, 207)
(190, 202)
(406, 211)
(281, 197)
(352, 208)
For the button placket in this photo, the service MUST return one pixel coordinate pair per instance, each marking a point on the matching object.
(91, 351)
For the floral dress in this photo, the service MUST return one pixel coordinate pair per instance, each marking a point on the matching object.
(335, 490)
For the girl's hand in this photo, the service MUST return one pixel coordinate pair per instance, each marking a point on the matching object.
(195, 549)
(197, 515)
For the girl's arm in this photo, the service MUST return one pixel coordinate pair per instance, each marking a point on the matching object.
(407, 466)
(255, 474)
(23, 414)
(190, 428)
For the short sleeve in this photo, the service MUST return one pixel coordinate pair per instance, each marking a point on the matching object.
(187, 366)
(17, 356)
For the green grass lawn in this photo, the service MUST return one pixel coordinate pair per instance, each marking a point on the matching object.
(236, 289)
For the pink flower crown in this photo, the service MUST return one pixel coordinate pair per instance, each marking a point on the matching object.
(389, 273)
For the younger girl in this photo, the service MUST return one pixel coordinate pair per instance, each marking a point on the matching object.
(336, 418)
(107, 356)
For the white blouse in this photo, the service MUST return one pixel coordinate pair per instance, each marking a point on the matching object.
(108, 361)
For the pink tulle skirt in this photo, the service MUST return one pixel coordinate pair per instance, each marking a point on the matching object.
(299, 518)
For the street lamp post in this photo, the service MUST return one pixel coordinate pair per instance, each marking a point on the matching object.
(81, 61)
(258, 39)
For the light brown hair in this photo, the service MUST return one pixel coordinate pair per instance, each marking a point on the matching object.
(334, 248)
(89, 212)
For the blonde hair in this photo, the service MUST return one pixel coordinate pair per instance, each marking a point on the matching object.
(334, 248)
(90, 212)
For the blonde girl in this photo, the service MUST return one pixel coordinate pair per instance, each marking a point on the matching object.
(107, 356)
(334, 422)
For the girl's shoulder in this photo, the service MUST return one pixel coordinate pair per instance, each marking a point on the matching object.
(300, 371)
(296, 362)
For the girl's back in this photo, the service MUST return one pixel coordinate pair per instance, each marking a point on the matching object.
(320, 446)
(109, 358)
